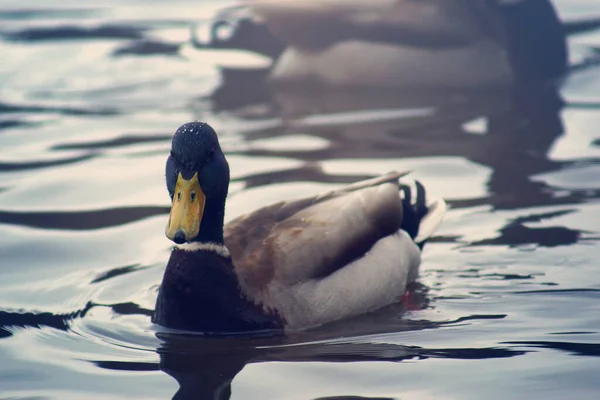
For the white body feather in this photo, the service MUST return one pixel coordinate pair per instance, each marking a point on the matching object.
(377, 279)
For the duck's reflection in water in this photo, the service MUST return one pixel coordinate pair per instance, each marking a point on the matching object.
(205, 367)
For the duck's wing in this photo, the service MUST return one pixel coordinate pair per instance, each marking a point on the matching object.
(310, 238)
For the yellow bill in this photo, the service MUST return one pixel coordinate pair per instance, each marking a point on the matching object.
(186, 210)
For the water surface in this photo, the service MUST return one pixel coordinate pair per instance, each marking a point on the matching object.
(89, 97)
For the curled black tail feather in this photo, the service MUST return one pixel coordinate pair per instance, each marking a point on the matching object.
(413, 211)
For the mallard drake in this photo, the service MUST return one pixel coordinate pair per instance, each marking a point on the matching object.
(406, 43)
(290, 265)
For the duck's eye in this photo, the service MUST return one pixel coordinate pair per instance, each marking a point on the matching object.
(193, 196)
(223, 31)
(178, 196)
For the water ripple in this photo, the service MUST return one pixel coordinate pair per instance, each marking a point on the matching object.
(91, 96)
(80, 220)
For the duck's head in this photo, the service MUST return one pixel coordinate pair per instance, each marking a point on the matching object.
(197, 177)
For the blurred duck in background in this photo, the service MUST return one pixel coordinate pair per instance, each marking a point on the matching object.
(395, 43)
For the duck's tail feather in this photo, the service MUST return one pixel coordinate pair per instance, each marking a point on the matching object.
(421, 216)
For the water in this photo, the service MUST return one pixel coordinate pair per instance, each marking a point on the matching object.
(89, 97)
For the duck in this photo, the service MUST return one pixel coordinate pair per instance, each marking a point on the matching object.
(291, 265)
(455, 44)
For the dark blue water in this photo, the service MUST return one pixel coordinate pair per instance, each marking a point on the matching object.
(89, 96)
